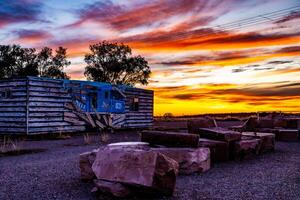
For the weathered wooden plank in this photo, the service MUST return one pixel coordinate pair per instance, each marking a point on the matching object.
(48, 124)
(12, 109)
(140, 97)
(12, 119)
(46, 119)
(50, 94)
(20, 99)
(13, 88)
(47, 109)
(45, 84)
(70, 114)
(138, 125)
(46, 114)
(12, 114)
(139, 117)
(47, 89)
(148, 106)
(12, 124)
(138, 114)
(100, 124)
(12, 104)
(138, 121)
(50, 99)
(46, 104)
(56, 129)
(75, 121)
(12, 130)
(90, 120)
(18, 94)
(140, 111)
(138, 90)
(12, 83)
(43, 79)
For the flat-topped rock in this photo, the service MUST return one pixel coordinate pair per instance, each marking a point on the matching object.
(190, 160)
(221, 134)
(288, 135)
(219, 150)
(170, 139)
(136, 167)
(267, 140)
(247, 147)
(86, 161)
(133, 145)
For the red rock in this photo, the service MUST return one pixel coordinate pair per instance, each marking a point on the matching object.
(113, 188)
(190, 160)
(288, 135)
(136, 167)
(205, 122)
(219, 150)
(246, 147)
(170, 139)
(86, 161)
(221, 134)
(267, 140)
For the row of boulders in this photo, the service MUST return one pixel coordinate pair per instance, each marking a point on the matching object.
(152, 165)
(145, 168)
(284, 128)
(228, 144)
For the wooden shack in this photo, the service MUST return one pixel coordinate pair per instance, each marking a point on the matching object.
(35, 105)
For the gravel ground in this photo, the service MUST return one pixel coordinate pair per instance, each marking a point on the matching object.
(54, 174)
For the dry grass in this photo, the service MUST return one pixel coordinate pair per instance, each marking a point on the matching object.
(87, 139)
(104, 137)
(10, 145)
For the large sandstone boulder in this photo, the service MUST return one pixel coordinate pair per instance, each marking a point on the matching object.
(86, 161)
(219, 150)
(136, 167)
(247, 147)
(170, 139)
(190, 160)
(204, 122)
(267, 140)
(221, 134)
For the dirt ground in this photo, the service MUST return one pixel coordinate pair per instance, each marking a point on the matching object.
(53, 173)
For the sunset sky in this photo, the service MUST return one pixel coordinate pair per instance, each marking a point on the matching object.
(206, 56)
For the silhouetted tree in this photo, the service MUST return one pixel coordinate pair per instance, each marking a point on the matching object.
(16, 61)
(114, 63)
(53, 65)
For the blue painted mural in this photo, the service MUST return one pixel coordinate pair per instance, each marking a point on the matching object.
(96, 96)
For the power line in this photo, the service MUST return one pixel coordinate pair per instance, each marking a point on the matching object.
(247, 22)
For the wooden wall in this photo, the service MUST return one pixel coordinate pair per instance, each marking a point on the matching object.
(47, 107)
(13, 112)
(38, 105)
(144, 116)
